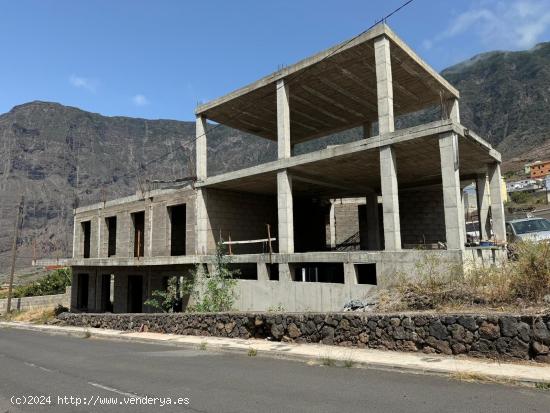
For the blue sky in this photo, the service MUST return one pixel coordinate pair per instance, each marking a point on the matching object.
(157, 59)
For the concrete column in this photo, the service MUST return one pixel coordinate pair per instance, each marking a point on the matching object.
(497, 204)
(285, 213)
(483, 203)
(201, 148)
(261, 268)
(284, 180)
(284, 272)
(350, 276)
(201, 238)
(76, 237)
(454, 112)
(367, 130)
(99, 233)
(384, 86)
(283, 120)
(390, 199)
(332, 224)
(373, 222)
(452, 194)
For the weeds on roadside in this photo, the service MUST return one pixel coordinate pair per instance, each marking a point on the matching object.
(521, 281)
(327, 361)
(252, 352)
(542, 386)
(202, 345)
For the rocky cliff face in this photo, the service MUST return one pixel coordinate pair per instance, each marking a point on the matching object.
(59, 156)
(505, 98)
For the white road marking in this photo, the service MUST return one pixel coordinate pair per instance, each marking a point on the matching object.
(38, 367)
(123, 393)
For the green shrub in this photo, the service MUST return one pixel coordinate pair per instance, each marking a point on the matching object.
(210, 292)
(167, 300)
(214, 292)
(55, 282)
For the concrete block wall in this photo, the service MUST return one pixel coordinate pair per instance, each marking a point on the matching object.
(38, 302)
(157, 225)
(346, 217)
(152, 280)
(422, 215)
(242, 215)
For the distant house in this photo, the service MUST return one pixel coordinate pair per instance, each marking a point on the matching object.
(524, 185)
(539, 169)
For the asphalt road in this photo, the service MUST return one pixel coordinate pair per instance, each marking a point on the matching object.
(38, 364)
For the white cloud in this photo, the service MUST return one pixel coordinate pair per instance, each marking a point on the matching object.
(140, 100)
(83, 83)
(517, 24)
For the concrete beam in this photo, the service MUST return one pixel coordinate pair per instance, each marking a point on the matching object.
(283, 120)
(285, 212)
(452, 193)
(390, 199)
(201, 148)
(483, 204)
(497, 204)
(384, 86)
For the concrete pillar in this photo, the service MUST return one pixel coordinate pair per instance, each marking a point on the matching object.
(332, 224)
(350, 276)
(452, 194)
(99, 232)
(367, 130)
(384, 86)
(483, 203)
(283, 120)
(284, 180)
(261, 268)
(76, 237)
(285, 213)
(373, 222)
(454, 112)
(201, 238)
(200, 148)
(390, 199)
(497, 204)
(285, 272)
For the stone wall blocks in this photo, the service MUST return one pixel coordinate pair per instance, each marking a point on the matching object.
(438, 330)
(541, 332)
(508, 326)
(468, 322)
(503, 336)
(489, 331)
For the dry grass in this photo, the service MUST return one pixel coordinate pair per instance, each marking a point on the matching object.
(38, 316)
(517, 284)
(471, 377)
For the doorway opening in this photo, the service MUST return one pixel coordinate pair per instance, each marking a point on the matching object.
(135, 294)
(178, 220)
(138, 218)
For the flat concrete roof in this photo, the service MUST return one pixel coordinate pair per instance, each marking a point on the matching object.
(352, 169)
(332, 90)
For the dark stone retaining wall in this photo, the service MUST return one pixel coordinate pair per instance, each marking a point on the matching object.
(495, 336)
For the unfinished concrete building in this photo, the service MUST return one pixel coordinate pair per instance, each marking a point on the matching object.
(344, 218)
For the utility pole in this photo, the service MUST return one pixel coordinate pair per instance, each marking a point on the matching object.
(14, 252)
